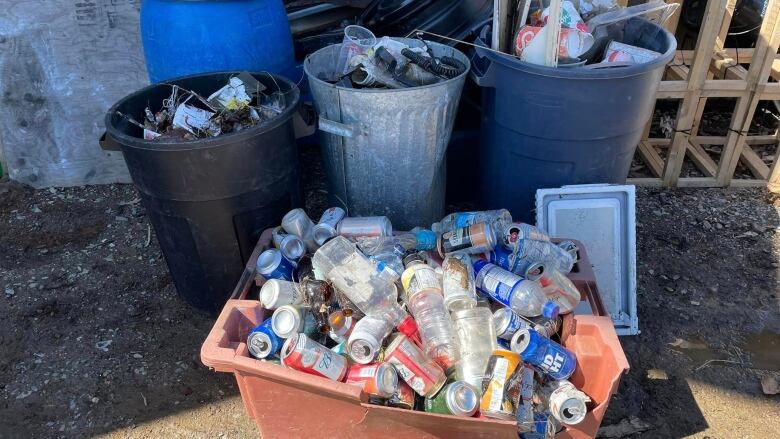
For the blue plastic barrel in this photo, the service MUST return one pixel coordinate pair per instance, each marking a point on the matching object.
(186, 37)
(545, 127)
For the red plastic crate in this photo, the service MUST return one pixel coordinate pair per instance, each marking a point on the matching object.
(287, 403)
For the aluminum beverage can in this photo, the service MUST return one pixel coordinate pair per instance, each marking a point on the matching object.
(476, 238)
(365, 226)
(301, 353)
(544, 427)
(291, 246)
(289, 320)
(546, 355)
(524, 411)
(458, 398)
(262, 342)
(509, 261)
(503, 344)
(565, 402)
(275, 293)
(507, 323)
(546, 253)
(496, 402)
(542, 325)
(299, 224)
(624, 53)
(404, 398)
(496, 282)
(419, 371)
(516, 232)
(377, 379)
(272, 265)
(366, 338)
(326, 228)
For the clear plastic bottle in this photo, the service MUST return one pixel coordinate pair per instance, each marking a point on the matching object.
(464, 219)
(369, 286)
(458, 283)
(560, 290)
(476, 336)
(386, 249)
(547, 253)
(523, 296)
(425, 301)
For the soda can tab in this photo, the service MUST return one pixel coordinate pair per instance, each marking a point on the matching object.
(458, 398)
(263, 342)
(378, 379)
(272, 265)
(623, 53)
(291, 246)
(289, 320)
(507, 322)
(548, 356)
(565, 402)
(458, 282)
(299, 224)
(275, 293)
(306, 355)
(476, 238)
(404, 398)
(419, 371)
(352, 228)
(496, 403)
(326, 228)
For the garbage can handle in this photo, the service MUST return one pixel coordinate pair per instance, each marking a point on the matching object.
(336, 128)
(108, 143)
(486, 77)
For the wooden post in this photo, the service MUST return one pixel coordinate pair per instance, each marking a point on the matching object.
(553, 34)
(697, 75)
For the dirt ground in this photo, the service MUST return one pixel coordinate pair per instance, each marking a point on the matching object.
(95, 342)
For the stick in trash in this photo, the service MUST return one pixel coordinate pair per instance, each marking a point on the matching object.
(553, 34)
(130, 119)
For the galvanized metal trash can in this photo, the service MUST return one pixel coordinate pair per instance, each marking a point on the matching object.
(384, 150)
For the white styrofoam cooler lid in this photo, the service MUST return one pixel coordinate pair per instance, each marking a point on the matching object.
(603, 218)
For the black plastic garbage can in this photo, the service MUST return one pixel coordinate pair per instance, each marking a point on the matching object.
(545, 127)
(209, 199)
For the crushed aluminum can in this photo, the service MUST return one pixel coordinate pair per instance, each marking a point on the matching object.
(624, 53)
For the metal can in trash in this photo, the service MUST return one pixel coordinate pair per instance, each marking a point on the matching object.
(299, 224)
(341, 325)
(550, 357)
(510, 261)
(377, 379)
(291, 246)
(365, 341)
(263, 342)
(272, 265)
(419, 371)
(507, 323)
(306, 355)
(404, 398)
(476, 238)
(276, 292)
(624, 53)
(495, 399)
(326, 228)
(289, 320)
(565, 402)
(365, 226)
(458, 398)
(515, 232)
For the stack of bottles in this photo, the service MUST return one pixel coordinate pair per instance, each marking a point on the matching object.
(460, 318)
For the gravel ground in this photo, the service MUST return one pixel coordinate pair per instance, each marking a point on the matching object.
(95, 342)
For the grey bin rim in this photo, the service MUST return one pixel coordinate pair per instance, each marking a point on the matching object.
(412, 42)
(127, 141)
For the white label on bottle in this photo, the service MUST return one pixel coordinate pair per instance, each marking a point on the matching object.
(498, 283)
(367, 372)
(497, 385)
(329, 364)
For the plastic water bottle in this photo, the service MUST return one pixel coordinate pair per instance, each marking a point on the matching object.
(464, 219)
(458, 283)
(368, 285)
(425, 301)
(560, 290)
(547, 253)
(550, 357)
(523, 296)
(385, 249)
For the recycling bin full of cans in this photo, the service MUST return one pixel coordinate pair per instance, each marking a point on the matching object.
(471, 317)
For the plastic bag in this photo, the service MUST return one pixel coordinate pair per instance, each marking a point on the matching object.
(590, 8)
(655, 11)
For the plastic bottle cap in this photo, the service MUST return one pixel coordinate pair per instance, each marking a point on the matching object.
(551, 310)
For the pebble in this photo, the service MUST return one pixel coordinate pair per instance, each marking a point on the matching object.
(676, 277)
(669, 289)
(121, 218)
(35, 209)
(137, 356)
(695, 303)
(103, 345)
(657, 374)
(9, 292)
(95, 400)
(706, 224)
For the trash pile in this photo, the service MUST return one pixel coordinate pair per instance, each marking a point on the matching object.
(242, 103)
(388, 63)
(462, 318)
(585, 36)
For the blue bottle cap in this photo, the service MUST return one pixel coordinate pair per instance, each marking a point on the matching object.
(551, 310)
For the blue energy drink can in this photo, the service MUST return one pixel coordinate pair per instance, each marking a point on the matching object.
(510, 261)
(546, 355)
(507, 323)
(263, 342)
(272, 265)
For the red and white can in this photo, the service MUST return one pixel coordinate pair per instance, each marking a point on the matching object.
(621, 52)
(419, 371)
(376, 379)
(306, 355)
(572, 42)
